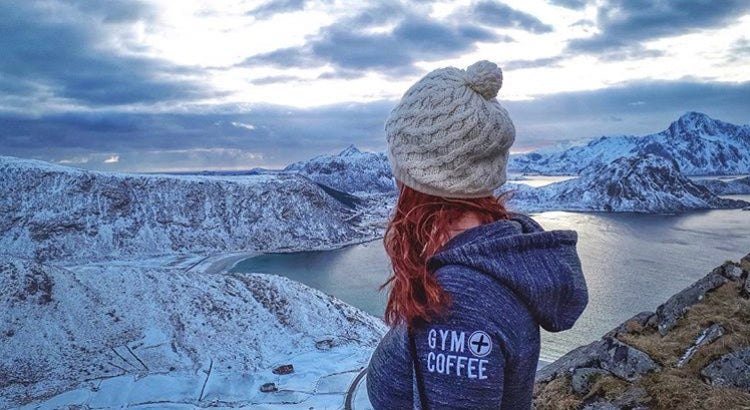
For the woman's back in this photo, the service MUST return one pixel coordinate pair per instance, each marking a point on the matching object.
(464, 310)
(504, 278)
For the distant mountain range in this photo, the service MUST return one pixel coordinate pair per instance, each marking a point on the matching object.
(615, 174)
(647, 183)
(699, 144)
(351, 171)
(52, 212)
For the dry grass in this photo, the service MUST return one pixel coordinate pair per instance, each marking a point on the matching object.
(671, 388)
(681, 389)
(556, 395)
(722, 306)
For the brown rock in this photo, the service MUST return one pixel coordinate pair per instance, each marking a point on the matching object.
(268, 388)
(284, 369)
(677, 305)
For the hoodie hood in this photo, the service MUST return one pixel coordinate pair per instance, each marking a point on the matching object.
(541, 267)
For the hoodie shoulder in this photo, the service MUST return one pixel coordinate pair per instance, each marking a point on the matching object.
(541, 268)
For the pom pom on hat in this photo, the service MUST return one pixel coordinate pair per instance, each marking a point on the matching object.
(485, 77)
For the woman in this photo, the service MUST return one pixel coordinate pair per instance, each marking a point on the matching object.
(472, 282)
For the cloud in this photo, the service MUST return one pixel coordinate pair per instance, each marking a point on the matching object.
(539, 62)
(273, 79)
(243, 125)
(49, 54)
(349, 47)
(639, 107)
(740, 50)
(625, 24)
(497, 14)
(274, 7)
(221, 137)
(274, 136)
(571, 4)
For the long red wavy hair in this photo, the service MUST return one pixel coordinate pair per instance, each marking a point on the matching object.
(419, 226)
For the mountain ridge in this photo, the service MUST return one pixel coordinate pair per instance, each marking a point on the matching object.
(700, 144)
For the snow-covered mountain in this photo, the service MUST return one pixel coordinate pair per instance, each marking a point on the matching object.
(117, 335)
(648, 183)
(698, 143)
(727, 187)
(52, 212)
(351, 171)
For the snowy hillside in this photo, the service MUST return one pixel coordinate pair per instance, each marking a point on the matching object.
(53, 212)
(699, 144)
(114, 335)
(350, 171)
(639, 184)
(727, 187)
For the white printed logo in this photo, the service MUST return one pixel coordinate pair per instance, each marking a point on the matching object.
(448, 354)
(480, 344)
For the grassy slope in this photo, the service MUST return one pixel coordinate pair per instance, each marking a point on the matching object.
(670, 387)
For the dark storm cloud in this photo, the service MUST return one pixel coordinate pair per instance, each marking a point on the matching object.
(625, 24)
(277, 135)
(413, 39)
(113, 11)
(58, 50)
(348, 47)
(497, 14)
(632, 108)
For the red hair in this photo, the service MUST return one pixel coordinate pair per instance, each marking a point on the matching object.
(419, 226)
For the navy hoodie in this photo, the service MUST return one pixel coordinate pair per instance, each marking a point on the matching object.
(506, 279)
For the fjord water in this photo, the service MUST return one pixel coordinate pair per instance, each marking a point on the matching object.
(632, 263)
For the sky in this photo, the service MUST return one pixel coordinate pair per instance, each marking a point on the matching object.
(160, 85)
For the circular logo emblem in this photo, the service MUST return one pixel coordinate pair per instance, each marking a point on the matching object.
(480, 344)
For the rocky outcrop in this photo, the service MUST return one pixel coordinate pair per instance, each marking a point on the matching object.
(692, 353)
(730, 370)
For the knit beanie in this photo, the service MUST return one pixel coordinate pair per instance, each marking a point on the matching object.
(449, 136)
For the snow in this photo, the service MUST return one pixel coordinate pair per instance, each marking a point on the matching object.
(56, 213)
(351, 171)
(125, 334)
(735, 186)
(701, 146)
(122, 279)
(647, 183)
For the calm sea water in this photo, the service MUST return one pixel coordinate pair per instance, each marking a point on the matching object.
(632, 263)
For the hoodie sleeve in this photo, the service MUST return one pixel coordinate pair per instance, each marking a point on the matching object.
(462, 365)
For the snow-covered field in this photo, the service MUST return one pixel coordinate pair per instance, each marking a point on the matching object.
(166, 332)
(115, 290)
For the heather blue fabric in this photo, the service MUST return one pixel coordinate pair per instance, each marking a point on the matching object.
(506, 279)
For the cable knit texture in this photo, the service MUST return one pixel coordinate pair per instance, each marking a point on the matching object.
(449, 136)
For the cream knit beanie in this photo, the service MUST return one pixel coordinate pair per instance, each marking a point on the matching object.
(449, 136)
